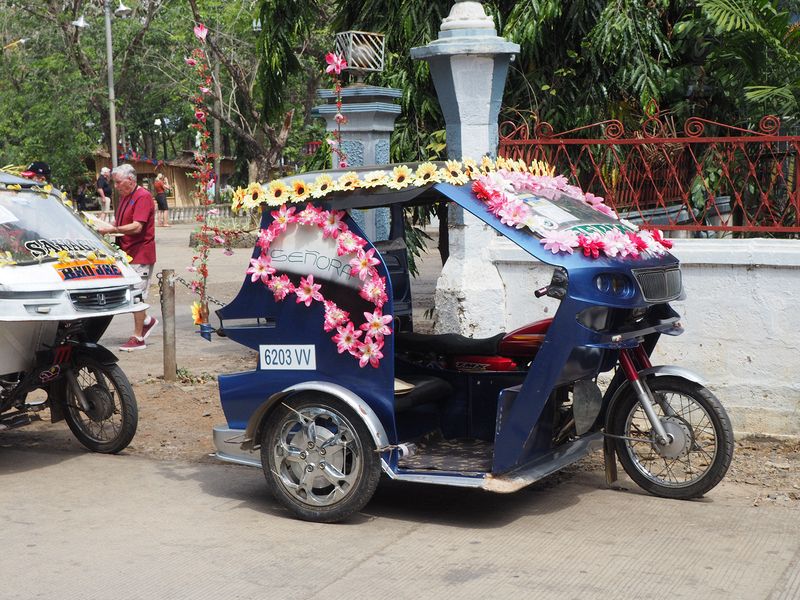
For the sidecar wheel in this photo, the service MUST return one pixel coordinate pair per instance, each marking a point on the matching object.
(702, 447)
(319, 458)
(110, 423)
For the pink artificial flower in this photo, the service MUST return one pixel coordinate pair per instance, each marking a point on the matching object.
(213, 211)
(308, 291)
(310, 215)
(260, 268)
(637, 243)
(190, 61)
(265, 238)
(219, 239)
(374, 291)
(590, 198)
(376, 324)
(340, 118)
(560, 241)
(334, 316)
(333, 224)
(592, 244)
(204, 89)
(343, 164)
(283, 217)
(659, 237)
(347, 339)
(370, 352)
(606, 210)
(617, 243)
(483, 191)
(335, 62)
(200, 115)
(363, 264)
(191, 269)
(280, 287)
(514, 213)
(348, 242)
(653, 246)
(200, 32)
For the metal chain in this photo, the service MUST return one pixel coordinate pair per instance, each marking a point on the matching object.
(188, 284)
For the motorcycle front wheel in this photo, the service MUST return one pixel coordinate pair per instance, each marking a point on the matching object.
(701, 446)
(109, 423)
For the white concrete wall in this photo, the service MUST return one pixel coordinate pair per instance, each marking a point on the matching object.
(741, 315)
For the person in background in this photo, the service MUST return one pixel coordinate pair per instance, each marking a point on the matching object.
(161, 187)
(104, 189)
(80, 196)
(135, 220)
(37, 171)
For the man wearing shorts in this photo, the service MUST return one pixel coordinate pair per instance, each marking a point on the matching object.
(135, 219)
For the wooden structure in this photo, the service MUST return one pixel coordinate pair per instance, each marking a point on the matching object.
(178, 171)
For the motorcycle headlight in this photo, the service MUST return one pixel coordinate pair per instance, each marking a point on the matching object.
(615, 284)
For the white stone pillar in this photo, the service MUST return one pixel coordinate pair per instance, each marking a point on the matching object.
(469, 64)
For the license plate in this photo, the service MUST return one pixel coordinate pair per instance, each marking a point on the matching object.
(287, 357)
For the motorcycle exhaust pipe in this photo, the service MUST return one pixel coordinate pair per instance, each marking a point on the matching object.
(14, 421)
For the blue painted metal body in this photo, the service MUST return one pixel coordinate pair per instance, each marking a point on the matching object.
(571, 351)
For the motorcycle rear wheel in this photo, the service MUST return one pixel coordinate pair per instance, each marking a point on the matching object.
(110, 423)
(702, 446)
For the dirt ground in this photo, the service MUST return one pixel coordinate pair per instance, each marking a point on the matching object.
(175, 422)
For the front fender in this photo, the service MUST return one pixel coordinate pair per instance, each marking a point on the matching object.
(99, 353)
(657, 371)
(359, 406)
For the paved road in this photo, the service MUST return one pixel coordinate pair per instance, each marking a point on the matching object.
(84, 526)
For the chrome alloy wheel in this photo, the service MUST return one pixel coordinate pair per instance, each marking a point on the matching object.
(317, 456)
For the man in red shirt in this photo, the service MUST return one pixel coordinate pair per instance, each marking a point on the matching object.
(135, 219)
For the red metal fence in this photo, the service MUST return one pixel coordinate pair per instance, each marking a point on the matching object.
(708, 177)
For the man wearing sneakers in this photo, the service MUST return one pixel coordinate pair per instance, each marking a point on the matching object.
(135, 220)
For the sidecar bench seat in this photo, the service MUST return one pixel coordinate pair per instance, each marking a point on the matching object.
(447, 344)
(412, 391)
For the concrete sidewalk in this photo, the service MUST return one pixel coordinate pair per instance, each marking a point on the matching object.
(84, 526)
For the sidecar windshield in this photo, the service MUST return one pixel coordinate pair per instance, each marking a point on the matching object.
(553, 210)
(34, 224)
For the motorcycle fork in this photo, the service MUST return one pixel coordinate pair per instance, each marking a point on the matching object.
(645, 397)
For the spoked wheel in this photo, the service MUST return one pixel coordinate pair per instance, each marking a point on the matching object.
(109, 423)
(319, 458)
(701, 439)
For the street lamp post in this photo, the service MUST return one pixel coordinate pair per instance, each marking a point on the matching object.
(121, 11)
(112, 110)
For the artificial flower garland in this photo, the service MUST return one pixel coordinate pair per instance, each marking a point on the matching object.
(362, 265)
(496, 182)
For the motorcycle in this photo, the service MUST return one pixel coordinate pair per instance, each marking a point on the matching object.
(336, 400)
(60, 286)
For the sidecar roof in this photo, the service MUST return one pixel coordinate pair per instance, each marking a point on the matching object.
(463, 196)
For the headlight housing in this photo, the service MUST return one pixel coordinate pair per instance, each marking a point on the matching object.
(615, 284)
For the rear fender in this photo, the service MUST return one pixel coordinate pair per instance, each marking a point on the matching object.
(256, 423)
(659, 371)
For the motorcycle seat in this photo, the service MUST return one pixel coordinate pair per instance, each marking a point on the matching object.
(447, 344)
(412, 391)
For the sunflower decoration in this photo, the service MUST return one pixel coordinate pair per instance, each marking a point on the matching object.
(348, 181)
(426, 173)
(6, 258)
(453, 174)
(300, 190)
(401, 177)
(470, 168)
(277, 193)
(323, 185)
(253, 195)
(539, 168)
(197, 313)
(487, 165)
(374, 179)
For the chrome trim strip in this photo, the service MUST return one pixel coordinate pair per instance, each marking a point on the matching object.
(229, 448)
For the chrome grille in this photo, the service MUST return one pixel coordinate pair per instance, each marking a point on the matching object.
(105, 299)
(660, 285)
